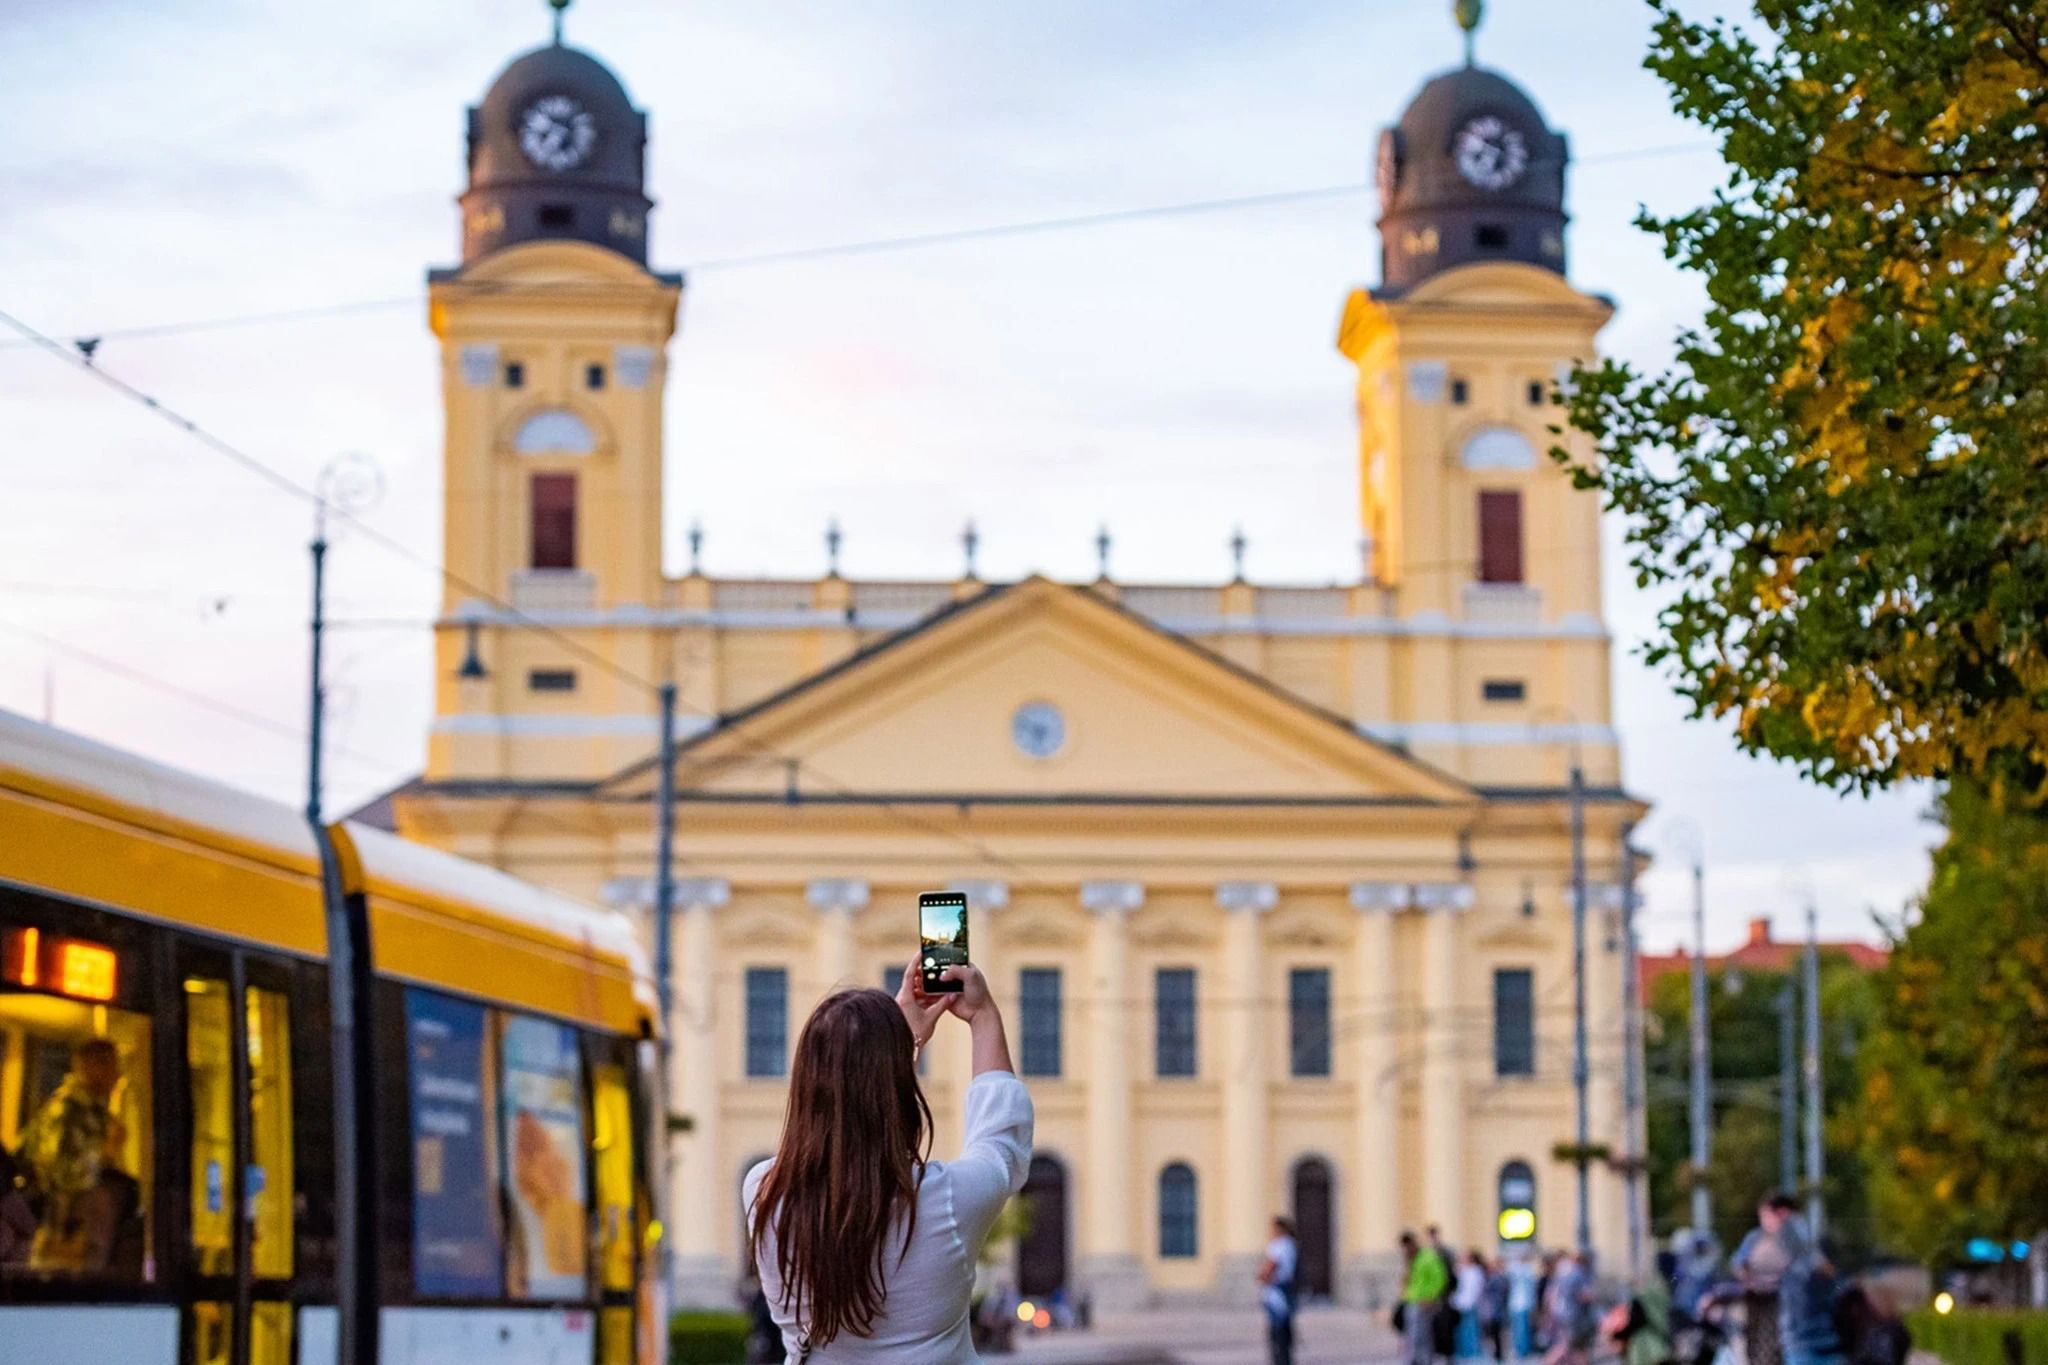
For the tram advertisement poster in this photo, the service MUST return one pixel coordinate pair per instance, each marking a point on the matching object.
(544, 1146)
(454, 1235)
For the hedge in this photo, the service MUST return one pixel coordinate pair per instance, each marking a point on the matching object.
(1976, 1336)
(707, 1339)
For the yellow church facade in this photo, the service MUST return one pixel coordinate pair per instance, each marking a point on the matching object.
(1274, 882)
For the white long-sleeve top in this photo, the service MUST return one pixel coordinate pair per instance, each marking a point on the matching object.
(924, 1305)
(1471, 1287)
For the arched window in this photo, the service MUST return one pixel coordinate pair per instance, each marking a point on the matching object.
(554, 431)
(1177, 1210)
(1498, 448)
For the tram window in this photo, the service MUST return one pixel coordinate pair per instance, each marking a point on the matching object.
(77, 1135)
(457, 1251)
(611, 1142)
(209, 1068)
(541, 1099)
(270, 1178)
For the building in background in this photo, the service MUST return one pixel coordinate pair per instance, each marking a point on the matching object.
(1273, 881)
(1760, 953)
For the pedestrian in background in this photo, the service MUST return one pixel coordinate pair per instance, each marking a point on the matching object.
(1806, 1309)
(1546, 1330)
(1524, 1274)
(1493, 1309)
(1574, 1324)
(1421, 1296)
(1468, 1295)
(1778, 1239)
(1278, 1298)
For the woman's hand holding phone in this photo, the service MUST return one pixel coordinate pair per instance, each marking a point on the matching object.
(920, 1011)
(973, 1004)
(973, 997)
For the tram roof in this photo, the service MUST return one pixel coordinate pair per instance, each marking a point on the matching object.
(214, 812)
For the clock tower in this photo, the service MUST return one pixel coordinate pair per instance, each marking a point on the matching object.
(1472, 527)
(554, 337)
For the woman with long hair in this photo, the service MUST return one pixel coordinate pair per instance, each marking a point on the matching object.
(865, 1246)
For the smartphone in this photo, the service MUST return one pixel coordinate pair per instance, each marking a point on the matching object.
(941, 938)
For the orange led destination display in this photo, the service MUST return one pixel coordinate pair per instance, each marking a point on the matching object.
(68, 966)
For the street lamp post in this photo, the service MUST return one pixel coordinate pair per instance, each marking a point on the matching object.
(1584, 1230)
(1811, 973)
(1631, 1056)
(1701, 1078)
(1787, 1005)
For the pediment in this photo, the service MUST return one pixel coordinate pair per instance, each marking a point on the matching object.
(1045, 693)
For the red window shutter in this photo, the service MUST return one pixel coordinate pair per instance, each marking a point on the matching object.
(554, 521)
(1500, 537)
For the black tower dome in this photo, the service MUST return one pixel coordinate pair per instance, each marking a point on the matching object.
(556, 152)
(1470, 173)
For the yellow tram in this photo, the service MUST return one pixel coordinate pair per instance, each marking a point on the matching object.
(165, 1024)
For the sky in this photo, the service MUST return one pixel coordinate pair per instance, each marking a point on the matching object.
(1171, 378)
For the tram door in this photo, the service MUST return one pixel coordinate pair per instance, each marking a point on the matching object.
(239, 1088)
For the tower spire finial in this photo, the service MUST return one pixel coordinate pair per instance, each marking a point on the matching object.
(1468, 13)
(558, 6)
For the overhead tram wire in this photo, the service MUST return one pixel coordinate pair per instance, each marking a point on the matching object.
(132, 674)
(868, 246)
(284, 483)
(291, 487)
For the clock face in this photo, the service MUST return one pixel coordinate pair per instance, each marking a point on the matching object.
(1490, 154)
(1038, 729)
(557, 133)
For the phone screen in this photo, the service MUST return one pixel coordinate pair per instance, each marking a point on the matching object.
(941, 937)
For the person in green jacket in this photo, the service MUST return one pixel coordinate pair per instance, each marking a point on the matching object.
(1429, 1279)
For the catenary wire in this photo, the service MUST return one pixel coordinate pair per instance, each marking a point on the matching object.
(905, 242)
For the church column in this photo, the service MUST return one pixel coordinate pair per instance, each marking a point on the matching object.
(1109, 1266)
(837, 900)
(1444, 1158)
(1246, 1184)
(1375, 1178)
(704, 1268)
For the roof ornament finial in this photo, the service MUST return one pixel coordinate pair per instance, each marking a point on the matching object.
(1468, 14)
(970, 541)
(1102, 553)
(832, 542)
(1237, 549)
(696, 548)
(558, 6)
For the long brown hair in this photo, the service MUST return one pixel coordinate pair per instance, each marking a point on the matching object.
(855, 1138)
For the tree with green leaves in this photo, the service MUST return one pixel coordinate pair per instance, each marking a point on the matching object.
(1842, 479)
(1955, 1072)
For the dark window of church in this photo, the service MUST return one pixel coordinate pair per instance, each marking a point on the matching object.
(557, 216)
(1514, 1021)
(1461, 392)
(1038, 1000)
(551, 680)
(1308, 1021)
(554, 521)
(1174, 1024)
(593, 376)
(515, 375)
(1500, 536)
(1502, 689)
(1492, 236)
(1536, 397)
(767, 1006)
